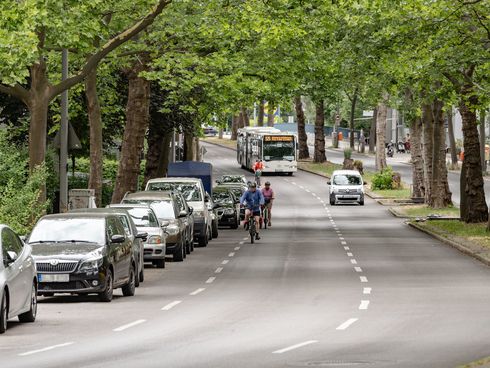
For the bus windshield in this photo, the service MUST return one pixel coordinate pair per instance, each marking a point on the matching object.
(278, 151)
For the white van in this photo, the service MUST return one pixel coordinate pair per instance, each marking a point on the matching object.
(193, 191)
(346, 186)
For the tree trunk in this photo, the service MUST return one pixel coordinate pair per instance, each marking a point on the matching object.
(220, 133)
(452, 140)
(155, 140)
(245, 117)
(440, 196)
(302, 137)
(319, 155)
(164, 156)
(427, 146)
(241, 119)
(270, 114)
(234, 127)
(418, 184)
(482, 141)
(382, 112)
(260, 118)
(137, 116)
(474, 208)
(95, 123)
(372, 132)
(188, 146)
(197, 151)
(352, 115)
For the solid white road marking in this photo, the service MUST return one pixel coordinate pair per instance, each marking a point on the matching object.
(218, 270)
(353, 261)
(350, 254)
(237, 248)
(346, 324)
(231, 254)
(46, 349)
(364, 305)
(225, 262)
(129, 325)
(363, 278)
(210, 280)
(358, 269)
(300, 345)
(171, 305)
(367, 290)
(346, 248)
(195, 292)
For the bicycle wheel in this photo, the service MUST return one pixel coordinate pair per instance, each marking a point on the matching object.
(252, 231)
(266, 217)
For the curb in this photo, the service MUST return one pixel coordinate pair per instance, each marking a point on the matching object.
(453, 243)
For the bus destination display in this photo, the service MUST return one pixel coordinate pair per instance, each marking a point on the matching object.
(278, 138)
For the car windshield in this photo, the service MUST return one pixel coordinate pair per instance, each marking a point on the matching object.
(231, 179)
(190, 191)
(222, 198)
(346, 179)
(278, 151)
(143, 217)
(89, 230)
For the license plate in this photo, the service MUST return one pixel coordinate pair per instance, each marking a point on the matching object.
(53, 277)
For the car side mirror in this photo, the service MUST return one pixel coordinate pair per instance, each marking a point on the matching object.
(365, 183)
(191, 210)
(164, 224)
(206, 199)
(118, 239)
(182, 214)
(329, 182)
(142, 236)
(11, 257)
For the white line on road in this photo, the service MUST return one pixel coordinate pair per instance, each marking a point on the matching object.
(363, 278)
(241, 243)
(343, 242)
(346, 324)
(307, 191)
(350, 254)
(367, 290)
(341, 238)
(293, 183)
(225, 261)
(300, 345)
(218, 270)
(364, 305)
(237, 248)
(197, 291)
(129, 325)
(171, 305)
(232, 254)
(358, 269)
(46, 349)
(210, 280)
(246, 238)
(346, 248)
(353, 261)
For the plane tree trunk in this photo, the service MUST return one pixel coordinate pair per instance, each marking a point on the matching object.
(319, 153)
(382, 111)
(302, 137)
(418, 185)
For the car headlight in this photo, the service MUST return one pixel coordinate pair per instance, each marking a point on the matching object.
(91, 265)
(172, 229)
(155, 239)
(229, 211)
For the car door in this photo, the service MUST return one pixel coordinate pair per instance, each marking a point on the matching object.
(126, 250)
(115, 249)
(13, 271)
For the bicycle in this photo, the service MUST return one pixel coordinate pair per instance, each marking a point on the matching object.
(252, 230)
(257, 178)
(265, 215)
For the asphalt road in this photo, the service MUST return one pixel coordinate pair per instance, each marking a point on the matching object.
(326, 286)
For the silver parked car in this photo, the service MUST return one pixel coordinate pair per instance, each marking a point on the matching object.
(18, 279)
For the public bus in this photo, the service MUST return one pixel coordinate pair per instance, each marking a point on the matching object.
(276, 149)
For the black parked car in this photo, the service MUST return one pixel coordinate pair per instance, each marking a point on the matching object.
(238, 189)
(229, 207)
(83, 253)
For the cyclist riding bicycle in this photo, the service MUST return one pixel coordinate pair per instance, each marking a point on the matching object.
(253, 199)
(268, 194)
(257, 168)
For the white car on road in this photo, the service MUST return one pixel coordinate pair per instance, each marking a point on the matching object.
(346, 186)
(18, 279)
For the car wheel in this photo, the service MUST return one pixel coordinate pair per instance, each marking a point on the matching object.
(184, 249)
(361, 202)
(203, 240)
(235, 225)
(3, 314)
(130, 288)
(192, 243)
(30, 316)
(332, 200)
(106, 295)
(179, 253)
(160, 263)
(187, 247)
(215, 229)
(142, 274)
(210, 233)
(137, 279)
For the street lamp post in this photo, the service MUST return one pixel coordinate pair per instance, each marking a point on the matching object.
(64, 137)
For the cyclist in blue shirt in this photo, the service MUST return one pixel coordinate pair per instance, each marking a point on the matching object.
(253, 199)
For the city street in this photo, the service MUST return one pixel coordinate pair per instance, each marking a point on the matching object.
(325, 286)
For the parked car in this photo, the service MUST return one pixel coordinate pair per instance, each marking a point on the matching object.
(18, 279)
(346, 186)
(228, 207)
(232, 179)
(83, 253)
(188, 221)
(146, 221)
(238, 190)
(209, 131)
(193, 191)
(137, 237)
(167, 210)
(213, 209)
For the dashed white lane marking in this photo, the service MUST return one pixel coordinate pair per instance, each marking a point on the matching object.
(241, 243)
(197, 291)
(350, 255)
(218, 270)
(293, 347)
(343, 242)
(358, 269)
(210, 280)
(364, 305)
(346, 248)
(367, 290)
(346, 324)
(341, 238)
(294, 183)
(307, 191)
(225, 262)
(353, 261)
(363, 278)
(246, 238)
(237, 248)
(129, 325)
(171, 305)
(302, 187)
(48, 348)
(232, 254)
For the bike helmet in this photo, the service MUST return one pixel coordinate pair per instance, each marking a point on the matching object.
(252, 185)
